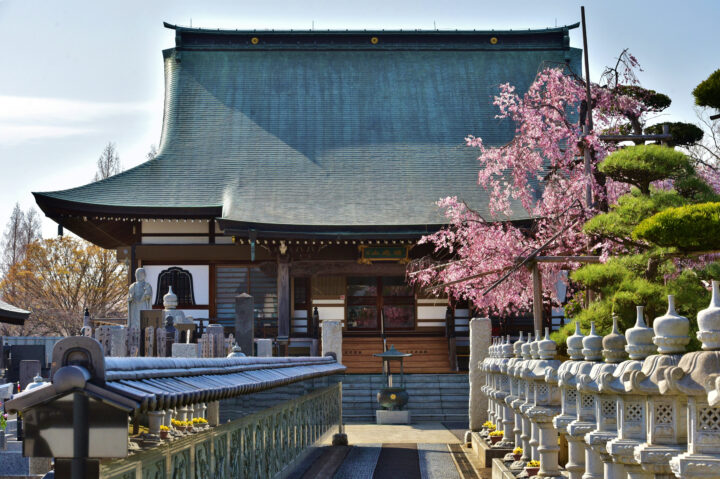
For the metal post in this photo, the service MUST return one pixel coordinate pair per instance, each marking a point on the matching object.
(81, 440)
(537, 298)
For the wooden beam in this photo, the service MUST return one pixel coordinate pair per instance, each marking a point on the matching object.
(635, 137)
(283, 292)
(537, 298)
(568, 259)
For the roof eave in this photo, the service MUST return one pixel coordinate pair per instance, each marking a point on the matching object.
(286, 231)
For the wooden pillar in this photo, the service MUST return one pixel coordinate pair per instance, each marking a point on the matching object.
(537, 298)
(283, 291)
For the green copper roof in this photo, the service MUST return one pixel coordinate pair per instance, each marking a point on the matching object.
(326, 129)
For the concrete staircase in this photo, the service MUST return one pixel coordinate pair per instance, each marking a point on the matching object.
(433, 397)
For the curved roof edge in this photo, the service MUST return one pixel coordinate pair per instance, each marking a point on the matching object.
(10, 314)
(218, 31)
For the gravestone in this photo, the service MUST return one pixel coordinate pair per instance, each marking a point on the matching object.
(22, 352)
(118, 341)
(244, 322)
(216, 333)
(133, 342)
(29, 368)
(332, 338)
(185, 350)
(102, 334)
(149, 342)
(264, 348)
(160, 336)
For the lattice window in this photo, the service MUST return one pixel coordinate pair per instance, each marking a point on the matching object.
(633, 413)
(608, 409)
(663, 414)
(571, 396)
(587, 401)
(182, 285)
(709, 419)
(542, 390)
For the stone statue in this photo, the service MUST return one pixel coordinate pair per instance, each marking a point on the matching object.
(139, 298)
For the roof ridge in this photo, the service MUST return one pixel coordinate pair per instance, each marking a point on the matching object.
(180, 28)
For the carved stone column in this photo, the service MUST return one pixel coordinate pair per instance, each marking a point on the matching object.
(666, 414)
(529, 432)
(696, 372)
(585, 421)
(547, 405)
(514, 390)
(521, 430)
(596, 410)
(606, 402)
(567, 381)
(630, 407)
(507, 419)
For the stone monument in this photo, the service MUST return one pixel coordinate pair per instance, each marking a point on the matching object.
(139, 298)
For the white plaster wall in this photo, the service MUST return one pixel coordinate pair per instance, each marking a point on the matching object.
(175, 240)
(165, 227)
(201, 282)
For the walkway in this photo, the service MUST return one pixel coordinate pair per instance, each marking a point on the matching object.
(423, 451)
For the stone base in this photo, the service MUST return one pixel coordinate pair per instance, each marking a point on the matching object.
(500, 470)
(690, 466)
(485, 453)
(392, 417)
(340, 439)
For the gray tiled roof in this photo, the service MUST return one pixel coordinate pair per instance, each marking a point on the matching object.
(296, 134)
(12, 314)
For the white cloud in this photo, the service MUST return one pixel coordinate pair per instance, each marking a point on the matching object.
(32, 118)
(35, 109)
(12, 134)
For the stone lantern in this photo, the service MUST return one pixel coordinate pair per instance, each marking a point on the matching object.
(514, 392)
(606, 402)
(666, 414)
(529, 434)
(532, 398)
(688, 381)
(547, 405)
(630, 407)
(567, 381)
(517, 405)
(505, 418)
(580, 457)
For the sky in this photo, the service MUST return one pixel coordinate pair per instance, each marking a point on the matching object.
(75, 75)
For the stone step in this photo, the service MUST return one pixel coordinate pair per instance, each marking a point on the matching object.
(13, 463)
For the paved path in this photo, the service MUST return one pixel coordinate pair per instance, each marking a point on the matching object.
(423, 451)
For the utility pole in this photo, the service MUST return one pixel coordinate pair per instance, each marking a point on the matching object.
(588, 126)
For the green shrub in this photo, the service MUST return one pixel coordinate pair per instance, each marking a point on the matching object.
(689, 228)
(640, 165)
(683, 134)
(630, 210)
(707, 93)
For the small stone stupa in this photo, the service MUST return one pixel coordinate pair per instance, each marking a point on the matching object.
(640, 338)
(575, 344)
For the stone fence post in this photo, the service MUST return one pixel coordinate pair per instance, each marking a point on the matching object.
(480, 336)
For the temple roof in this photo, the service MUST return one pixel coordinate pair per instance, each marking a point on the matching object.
(11, 314)
(332, 132)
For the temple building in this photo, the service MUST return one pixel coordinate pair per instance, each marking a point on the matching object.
(302, 167)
